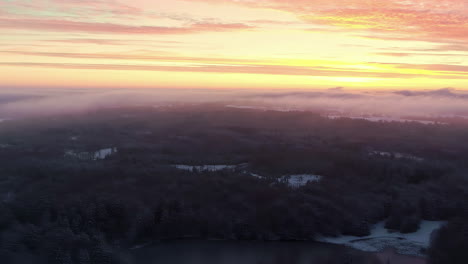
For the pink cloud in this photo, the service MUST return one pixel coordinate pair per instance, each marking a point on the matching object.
(77, 7)
(412, 24)
(162, 56)
(407, 54)
(428, 20)
(117, 42)
(105, 28)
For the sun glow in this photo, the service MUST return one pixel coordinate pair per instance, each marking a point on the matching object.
(230, 43)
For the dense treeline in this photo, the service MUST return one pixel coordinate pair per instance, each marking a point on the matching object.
(450, 243)
(63, 210)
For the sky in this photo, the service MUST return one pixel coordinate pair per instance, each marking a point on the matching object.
(262, 44)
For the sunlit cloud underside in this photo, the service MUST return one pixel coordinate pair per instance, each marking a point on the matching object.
(234, 43)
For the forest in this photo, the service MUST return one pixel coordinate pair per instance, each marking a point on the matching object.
(58, 208)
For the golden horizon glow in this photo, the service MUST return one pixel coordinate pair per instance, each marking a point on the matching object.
(275, 44)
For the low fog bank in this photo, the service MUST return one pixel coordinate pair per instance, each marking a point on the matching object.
(442, 102)
(34, 102)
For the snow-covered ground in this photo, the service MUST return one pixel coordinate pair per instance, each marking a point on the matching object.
(256, 175)
(295, 180)
(246, 107)
(98, 155)
(382, 238)
(206, 167)
(396, 155)
(298, 180)
(385, 119)
(104, 153)
(264, 108)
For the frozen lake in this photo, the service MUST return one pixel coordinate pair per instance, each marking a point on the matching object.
(382, 238)
(254, 252)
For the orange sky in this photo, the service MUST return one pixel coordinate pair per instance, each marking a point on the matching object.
(234, 43)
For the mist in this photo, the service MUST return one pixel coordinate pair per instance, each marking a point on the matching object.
(40, 102)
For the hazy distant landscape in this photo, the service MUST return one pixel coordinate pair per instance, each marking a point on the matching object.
(97, 184)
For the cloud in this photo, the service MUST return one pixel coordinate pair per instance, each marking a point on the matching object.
(443, 21)
(143, 56)
(402, 23)
(447, 68)
(114, 42)
(239, 68)
(329, 93)
(75, 7)
(427, 20)
(110, 28)
(454, 46)
(102, 41)
(409, 54)
(240, 65)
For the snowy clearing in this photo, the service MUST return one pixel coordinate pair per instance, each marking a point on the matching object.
(104, 153)
(382, 238)
(205, 167)
(98, 155)
(246, 107)
(396, 155)
(256, 175)
(385, 119)
(264, 108)
(298, 180)
(293, 181)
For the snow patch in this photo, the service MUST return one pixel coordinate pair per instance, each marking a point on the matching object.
(205, 167)
(386, 119)
(98, 155)
(382, 238)
(256, 175)
(104, 153)
(264, 108)
(396, 155)
(298, 180)
(293, 181)
(141, 246)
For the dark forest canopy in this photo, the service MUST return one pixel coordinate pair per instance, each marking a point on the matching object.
(60, 208)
